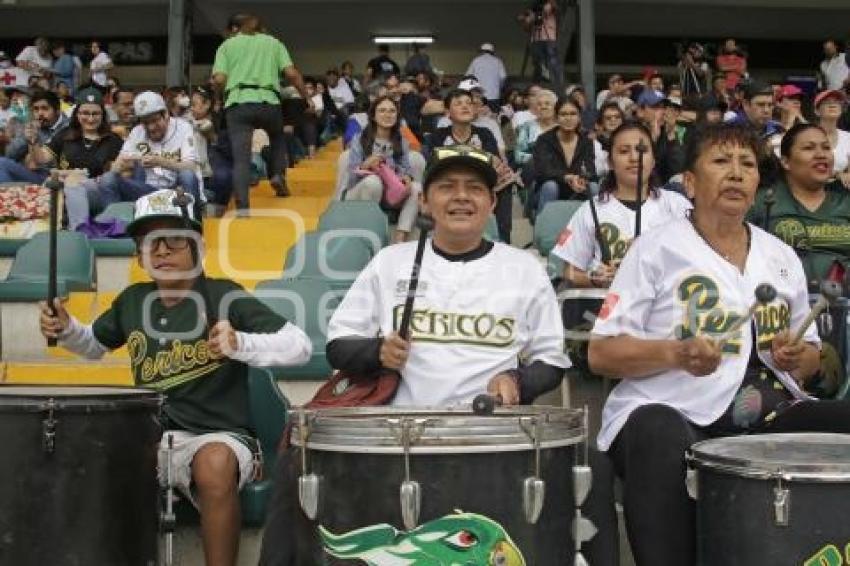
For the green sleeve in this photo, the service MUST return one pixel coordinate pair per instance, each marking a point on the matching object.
(220, 64)
(248, 314)
(285, 59)
(108, 328)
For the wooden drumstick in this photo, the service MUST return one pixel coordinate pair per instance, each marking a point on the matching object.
(765, 293)
(829, 292)
(641, 149)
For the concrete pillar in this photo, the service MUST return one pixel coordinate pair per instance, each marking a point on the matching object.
(587, 48)
(179, 42)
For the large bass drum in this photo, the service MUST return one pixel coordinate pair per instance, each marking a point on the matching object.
(419, 487)
(78, 483)
(772, 499)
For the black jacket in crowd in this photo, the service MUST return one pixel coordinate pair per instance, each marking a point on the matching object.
(550, 163)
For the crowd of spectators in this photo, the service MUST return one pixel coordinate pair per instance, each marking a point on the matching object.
(551, 140)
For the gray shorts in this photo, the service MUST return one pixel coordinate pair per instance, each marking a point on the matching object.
(186, 445)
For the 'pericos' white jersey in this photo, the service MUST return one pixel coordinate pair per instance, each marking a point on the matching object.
(675, 285)
(471, 320)
(577, 243)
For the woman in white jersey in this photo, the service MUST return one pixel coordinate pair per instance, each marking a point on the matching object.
(659, 331)
(581, 247)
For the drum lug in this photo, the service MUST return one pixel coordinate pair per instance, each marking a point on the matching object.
(781, 504)
(583, 530)
(533, 493)
(692, 483)
(582, 483)
(410, 494)
(48, 428)
(308, 495)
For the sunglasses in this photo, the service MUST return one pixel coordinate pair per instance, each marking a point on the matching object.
(173, 243)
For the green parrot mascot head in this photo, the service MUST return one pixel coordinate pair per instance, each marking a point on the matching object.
(459, 539)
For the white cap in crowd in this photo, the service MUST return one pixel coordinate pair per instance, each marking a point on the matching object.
(488, 47)
(147, 103)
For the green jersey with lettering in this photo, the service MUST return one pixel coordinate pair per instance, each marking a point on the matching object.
(819, 237)
(168, 352)
(577, 244)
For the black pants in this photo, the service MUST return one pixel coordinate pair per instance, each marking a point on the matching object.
(648, 454)
(242, 120)
(504, 213)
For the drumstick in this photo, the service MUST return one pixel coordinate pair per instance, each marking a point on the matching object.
(425, 224)
(641, 149)
(485, 403)
(765, 293)
(54, 185)
(604, 253)
(829, 291)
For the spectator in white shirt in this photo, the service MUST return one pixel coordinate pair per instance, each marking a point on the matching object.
(340, 91)
(490, 72)
(833, 69)
(100, 63)
(35, 61)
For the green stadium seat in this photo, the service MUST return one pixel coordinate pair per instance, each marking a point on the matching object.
(551, 220)
(10, 246)
(307, 303)
(124, 211)
(357, 215)
(269, 415)
(324, 255)
(75, 265)
(491, 230)
(113, 247)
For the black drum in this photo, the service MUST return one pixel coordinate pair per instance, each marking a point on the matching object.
(831, 381)
(78, 482)
(416, 487)
(579, 310)
(772, 499)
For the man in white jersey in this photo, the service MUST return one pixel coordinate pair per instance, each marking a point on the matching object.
(158, 154)
(481, 307)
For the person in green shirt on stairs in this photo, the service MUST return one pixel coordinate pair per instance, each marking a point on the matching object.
(248, 68)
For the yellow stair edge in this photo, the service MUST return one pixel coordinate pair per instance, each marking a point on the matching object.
(66, 373)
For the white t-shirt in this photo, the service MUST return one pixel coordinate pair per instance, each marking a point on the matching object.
(98, 68)
(178, 144)
(471, 320)
(674, 285)
(577, 243)
(341, 94)
(31, 54)
(521, 118)
(841, 151)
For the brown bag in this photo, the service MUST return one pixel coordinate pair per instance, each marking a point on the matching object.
(345, 389)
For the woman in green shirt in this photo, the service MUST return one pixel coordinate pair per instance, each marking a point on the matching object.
(807, 212)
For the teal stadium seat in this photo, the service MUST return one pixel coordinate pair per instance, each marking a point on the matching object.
(307, 303)
(550, 222)
(357, 215)
(491, 230)
(323, 255)
(124, 211)
(27, 278)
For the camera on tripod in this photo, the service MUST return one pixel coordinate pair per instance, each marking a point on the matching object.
(537, 12)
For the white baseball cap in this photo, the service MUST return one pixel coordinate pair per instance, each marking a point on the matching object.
(488, 47)
(161, 205)
(147, 103)
(469, 84)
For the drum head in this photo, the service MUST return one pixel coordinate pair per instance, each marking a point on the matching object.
(800, 456)
(439, 431)
(35, 397)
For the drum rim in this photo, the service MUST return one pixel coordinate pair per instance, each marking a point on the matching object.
(756, 469)
(442, 431)
(20, 397)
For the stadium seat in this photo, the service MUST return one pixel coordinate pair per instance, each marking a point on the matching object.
(491, 231)
(307, 303)
(322, 255)
(357, 215)
(551, 220)
(123, 211)
(75, 266)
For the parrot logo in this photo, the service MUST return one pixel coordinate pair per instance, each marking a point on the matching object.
(459, 539)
